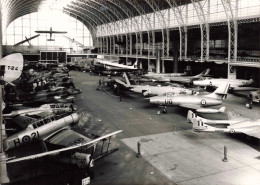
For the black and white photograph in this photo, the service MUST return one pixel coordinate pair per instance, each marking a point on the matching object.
(130, 92)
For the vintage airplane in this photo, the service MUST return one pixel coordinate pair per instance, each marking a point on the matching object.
(56, 131)
(192, 101)
(51, 32)
(11, 67)
(235, 84)
(52, 108)
(148, 90)
(27, 40)
(112, 66)
(181, 79)
(248, 127)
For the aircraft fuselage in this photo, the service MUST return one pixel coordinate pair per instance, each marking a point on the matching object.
(40, 130)
(183, 99)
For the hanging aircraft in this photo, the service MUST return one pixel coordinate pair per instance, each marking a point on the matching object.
(51, 32)
(196, 101)
(11, 67)
(235, 84)
(27, 40)
(181, 79)
(148, 90)
(248, 127)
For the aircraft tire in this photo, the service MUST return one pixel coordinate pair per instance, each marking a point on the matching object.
(164, 111)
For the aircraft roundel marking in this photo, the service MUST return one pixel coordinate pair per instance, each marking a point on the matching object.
(79, 140)
(26, 139)
(232, 130)
(203, 102)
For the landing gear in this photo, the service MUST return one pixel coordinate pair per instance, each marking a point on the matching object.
(163, 110)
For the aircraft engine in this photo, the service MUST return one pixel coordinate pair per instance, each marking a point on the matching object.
(84, 160)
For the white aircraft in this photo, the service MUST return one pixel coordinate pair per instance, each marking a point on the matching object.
(183, 79)
(11, 66)
(152, 75)
(193, 101)
(235, 84)
(113, 66)
(148, 90)
(248, 127)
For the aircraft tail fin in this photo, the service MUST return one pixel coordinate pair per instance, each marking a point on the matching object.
(205, 72)
(11, 67)
(220, 93)
(222, 109)
(191, 115)
(135, 65)
(199, 126)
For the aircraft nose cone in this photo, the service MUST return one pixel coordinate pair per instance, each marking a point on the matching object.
(153, 100)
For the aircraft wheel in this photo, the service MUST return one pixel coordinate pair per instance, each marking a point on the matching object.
(164, 111)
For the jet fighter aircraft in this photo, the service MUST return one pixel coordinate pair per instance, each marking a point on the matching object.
(235, 84)
(192, 101)
(247, 126)
(181, 79)
(147, 90)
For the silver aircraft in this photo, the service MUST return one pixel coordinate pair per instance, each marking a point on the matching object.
(181, 78)
(246, 126)
(235, 84)
(196, 101)
(148, 90)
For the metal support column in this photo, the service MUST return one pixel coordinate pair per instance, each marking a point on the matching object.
(204, 27)
(230, 7)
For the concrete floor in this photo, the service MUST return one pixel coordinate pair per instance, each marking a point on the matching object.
(172, 152)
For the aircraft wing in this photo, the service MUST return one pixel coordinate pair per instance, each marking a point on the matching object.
(190, 106)
(74, 146)
(253, 131)
(26, 40)
(68, 138)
